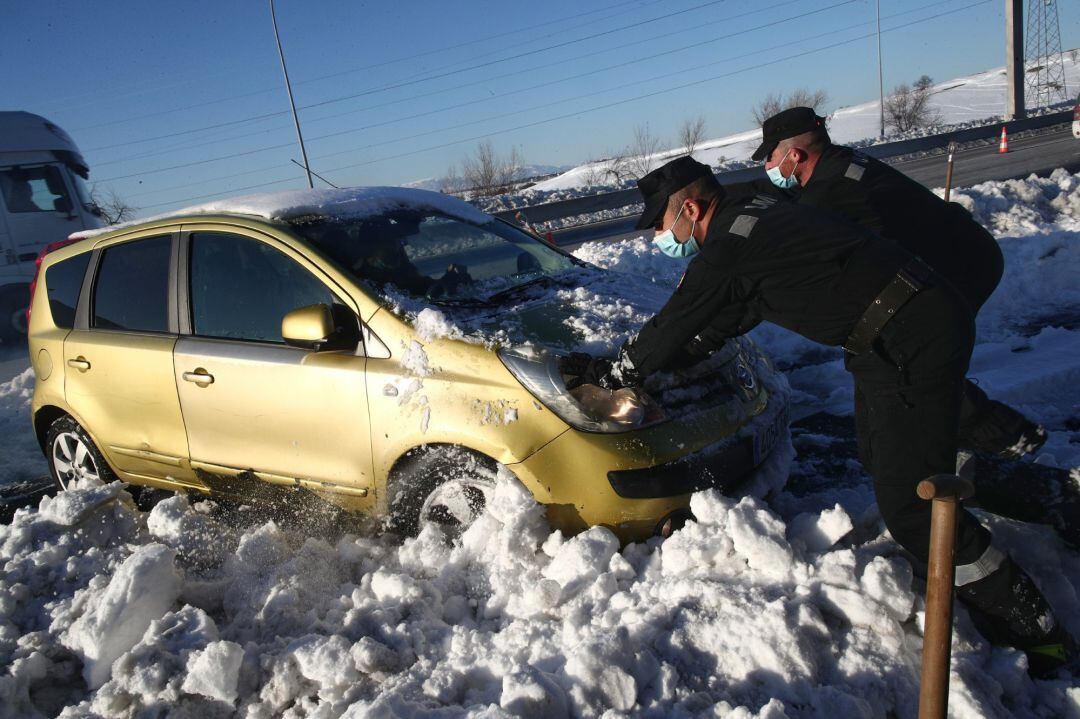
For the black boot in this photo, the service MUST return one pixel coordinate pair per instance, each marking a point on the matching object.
(987, 425)
(1009, 610)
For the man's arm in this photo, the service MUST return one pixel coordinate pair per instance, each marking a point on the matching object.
(707, 297)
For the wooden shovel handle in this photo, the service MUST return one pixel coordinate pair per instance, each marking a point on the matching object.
(945, 486)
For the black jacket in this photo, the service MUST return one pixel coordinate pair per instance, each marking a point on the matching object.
(766, 259)
(890, 204)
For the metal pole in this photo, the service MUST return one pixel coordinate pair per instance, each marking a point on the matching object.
(1014, 59)
(946, 491)
(880, 74)
(315, 173)
(288, 88)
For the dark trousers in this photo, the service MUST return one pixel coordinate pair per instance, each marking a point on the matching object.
(908, 393)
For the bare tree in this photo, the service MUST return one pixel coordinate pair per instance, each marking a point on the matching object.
(691, 133)
(595, 172)
(908, 107)
(486, 173)
(800, 97)
(643, 151)
(112, 208)
(618, 167)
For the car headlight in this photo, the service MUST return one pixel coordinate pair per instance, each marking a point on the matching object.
(587, 407)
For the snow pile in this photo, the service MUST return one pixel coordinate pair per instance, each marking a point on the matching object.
(119, 613)
(20, 456)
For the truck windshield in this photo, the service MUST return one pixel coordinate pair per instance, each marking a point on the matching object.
(435, 257)
(34, 189)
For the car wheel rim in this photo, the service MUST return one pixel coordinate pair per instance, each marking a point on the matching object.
(454, 505)
(72, 460)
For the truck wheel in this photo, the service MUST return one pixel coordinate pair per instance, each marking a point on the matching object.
(73, 455)
(13, 315)
(447, 487)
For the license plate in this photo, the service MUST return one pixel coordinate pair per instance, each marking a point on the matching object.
(766, 437)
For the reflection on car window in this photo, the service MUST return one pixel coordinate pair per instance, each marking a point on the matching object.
(434, 256)
(242, 288)
(132, 288)
(63, 282)
(34, 189)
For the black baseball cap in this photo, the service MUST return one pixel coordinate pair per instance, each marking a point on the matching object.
(788, 123)
(660, 184)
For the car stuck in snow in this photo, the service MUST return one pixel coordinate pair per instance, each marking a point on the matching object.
(386, 349)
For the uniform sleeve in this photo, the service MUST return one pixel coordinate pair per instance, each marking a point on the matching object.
(706, 297)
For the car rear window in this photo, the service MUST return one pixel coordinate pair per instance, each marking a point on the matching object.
(63, 282)
(132, 288)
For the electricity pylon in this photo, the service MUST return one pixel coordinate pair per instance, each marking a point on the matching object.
(1044, 69)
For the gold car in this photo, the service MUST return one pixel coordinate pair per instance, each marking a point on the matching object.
(386, 349)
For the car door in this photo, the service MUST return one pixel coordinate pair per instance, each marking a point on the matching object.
(119, 359)
(256, 408)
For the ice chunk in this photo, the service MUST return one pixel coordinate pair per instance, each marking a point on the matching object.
(818, 532)
(215, 671)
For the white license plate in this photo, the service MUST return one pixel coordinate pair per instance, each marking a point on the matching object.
(765, 439)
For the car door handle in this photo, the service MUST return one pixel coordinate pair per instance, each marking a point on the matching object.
(80, 363)
(200, 377)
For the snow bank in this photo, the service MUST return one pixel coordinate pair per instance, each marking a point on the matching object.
(738, 614)
(20, 456)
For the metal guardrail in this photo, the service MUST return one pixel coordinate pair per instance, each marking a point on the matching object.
(621, 198)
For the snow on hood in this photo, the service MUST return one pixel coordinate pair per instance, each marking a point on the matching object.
(349, 202)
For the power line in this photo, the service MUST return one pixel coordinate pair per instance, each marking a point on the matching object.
(603, 106)
(329, 76)
(268, 148)
(469, 84)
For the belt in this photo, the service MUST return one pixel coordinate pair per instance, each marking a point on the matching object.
(908, 282)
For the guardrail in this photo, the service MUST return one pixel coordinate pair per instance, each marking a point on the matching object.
(621, 198)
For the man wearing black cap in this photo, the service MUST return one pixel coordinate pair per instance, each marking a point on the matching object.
(909, 334)
(801, 159)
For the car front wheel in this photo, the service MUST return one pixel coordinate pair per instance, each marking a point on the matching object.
(443, 487)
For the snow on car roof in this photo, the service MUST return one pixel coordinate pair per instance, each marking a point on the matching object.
(345, 203)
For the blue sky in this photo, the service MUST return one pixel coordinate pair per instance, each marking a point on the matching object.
(176, 103)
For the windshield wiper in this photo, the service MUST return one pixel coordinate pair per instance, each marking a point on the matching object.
(517, 289)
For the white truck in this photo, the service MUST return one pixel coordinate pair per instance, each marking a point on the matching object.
(43, 199)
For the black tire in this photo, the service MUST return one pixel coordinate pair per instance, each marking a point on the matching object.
(424, 472)
(13, 303)
(61, 449)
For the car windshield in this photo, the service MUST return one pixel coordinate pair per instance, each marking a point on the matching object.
(435, 257)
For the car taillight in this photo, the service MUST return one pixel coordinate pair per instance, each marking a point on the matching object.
(52, 246)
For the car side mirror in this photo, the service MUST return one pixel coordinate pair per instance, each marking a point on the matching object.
(321, 327)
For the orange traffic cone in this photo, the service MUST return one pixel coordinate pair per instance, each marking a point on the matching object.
(1004, 146)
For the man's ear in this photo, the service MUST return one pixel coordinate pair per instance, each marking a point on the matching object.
(694, 209)
(799, 155)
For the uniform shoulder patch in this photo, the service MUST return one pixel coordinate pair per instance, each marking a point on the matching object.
(855, 171)
(743, 225)
(761, 202)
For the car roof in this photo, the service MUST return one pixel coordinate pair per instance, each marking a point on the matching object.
(345, 203)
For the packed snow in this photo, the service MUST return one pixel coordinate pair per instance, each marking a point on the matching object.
(794, 603)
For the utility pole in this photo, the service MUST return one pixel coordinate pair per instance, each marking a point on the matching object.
(288, 89)
(1014, 59)
(880, 75)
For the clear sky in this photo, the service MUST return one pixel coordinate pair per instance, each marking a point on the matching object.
(180, 102)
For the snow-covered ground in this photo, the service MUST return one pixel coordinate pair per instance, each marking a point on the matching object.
(796, 605)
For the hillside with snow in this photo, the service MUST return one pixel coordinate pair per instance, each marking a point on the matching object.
(976, 99)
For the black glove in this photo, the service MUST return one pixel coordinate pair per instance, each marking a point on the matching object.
(586, 369)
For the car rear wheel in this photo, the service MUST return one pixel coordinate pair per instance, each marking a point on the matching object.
(443, 487)
(73, 455)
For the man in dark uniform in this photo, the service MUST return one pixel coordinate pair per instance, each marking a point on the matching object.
(801, 160)
(909, 331)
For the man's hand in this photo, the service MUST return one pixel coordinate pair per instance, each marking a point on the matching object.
(586, 369)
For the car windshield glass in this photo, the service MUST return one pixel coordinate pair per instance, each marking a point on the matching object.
(435, 257)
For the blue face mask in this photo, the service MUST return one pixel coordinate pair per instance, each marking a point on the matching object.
(777, 177)
(671, 247)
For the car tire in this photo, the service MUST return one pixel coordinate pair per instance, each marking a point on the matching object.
(447, 486)
(13, 315)
(72, 455)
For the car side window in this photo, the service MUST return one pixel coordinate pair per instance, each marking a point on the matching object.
(63, 283)
(34, 189)
(242, 288)
(131, 291)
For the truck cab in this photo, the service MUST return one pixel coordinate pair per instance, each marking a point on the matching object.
(43, 199)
